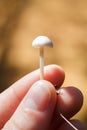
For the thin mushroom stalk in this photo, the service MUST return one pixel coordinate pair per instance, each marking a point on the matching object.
(41, 42)
(41, 63)
(68, 122)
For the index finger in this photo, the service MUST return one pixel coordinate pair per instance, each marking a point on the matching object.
(10, 98)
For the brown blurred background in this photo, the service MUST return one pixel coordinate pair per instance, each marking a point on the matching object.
(64, 22)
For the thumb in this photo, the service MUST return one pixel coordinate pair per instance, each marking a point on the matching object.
(36, 109)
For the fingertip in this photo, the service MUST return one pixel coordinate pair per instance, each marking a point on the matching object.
(58, 77)
(70, 101)
(41, 95)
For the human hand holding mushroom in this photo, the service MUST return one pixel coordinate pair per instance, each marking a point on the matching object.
(33, 104)
(41, 42)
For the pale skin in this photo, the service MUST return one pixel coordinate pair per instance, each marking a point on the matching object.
(30, 104)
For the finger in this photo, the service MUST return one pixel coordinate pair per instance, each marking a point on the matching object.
(79, 125)
(36, 109)
(70, 100)
(10, 99)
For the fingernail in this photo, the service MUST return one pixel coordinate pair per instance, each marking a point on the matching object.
(39, 96)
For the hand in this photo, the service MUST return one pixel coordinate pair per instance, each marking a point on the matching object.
(30, 104)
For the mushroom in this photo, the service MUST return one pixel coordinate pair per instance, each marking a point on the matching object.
(41, 42)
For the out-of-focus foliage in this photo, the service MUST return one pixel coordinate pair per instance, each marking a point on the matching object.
(64, 22)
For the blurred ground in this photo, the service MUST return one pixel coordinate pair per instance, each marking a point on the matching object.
(64, 22)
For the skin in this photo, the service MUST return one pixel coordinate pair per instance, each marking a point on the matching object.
(31, 104)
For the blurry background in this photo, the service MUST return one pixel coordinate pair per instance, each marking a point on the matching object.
(64, 22)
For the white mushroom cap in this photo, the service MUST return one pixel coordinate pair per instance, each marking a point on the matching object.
(42, 41)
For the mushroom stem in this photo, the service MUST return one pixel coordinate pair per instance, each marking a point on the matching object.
(41, 63)
(68, 122)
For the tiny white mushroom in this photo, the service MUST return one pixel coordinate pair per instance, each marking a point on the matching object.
(41, 42)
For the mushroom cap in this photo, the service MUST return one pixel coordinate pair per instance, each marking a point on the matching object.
(42, 41)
